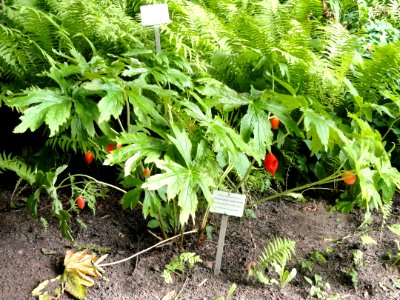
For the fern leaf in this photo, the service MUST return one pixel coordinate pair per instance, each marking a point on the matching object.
(7, 162)
(279, 250)
(178, 265)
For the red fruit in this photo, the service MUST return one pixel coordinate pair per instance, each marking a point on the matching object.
(80, 202)
(119, 146)
(349, 177)
(274, 122)
(110, 148)
(271, 163)
(146, 172)
(89, 157)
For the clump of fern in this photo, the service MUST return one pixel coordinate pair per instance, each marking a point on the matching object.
(178, 265)
(277, 253)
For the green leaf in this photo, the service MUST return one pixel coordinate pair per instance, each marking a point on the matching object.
(241, 163)
(112, 104)
(88, 113)
(187, 200)
(151, 204)
(220, 95)
(178, 78)
(145, 108)
(367, 240)
(255, 122)
(137, 142)
(395, 228)
(65, 218)
(48, 106)
(153, 224)
(182, 143)
(33, 201)
(318, 129)
(131, 198)
(231, 140)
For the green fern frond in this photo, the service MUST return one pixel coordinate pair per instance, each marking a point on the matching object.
(381, 70)
(14, 59)
(64, 142)
(386, 211)
(278, 251)
(7, 162)
(178, 265)
(103, 22)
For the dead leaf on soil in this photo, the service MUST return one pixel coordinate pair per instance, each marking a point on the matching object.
(78, 267)
(170, 295)
(46, 251)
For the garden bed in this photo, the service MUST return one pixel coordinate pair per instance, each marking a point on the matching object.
(30, 254)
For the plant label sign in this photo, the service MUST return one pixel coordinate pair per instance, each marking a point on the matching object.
(155, 14)
(227, 204)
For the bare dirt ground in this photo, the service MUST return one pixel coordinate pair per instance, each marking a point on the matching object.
(30, 254)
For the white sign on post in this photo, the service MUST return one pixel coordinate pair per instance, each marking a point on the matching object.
(155, 14)
(227, 204)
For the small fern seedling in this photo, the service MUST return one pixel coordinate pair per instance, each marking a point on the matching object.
(276, 255)
(178, 265)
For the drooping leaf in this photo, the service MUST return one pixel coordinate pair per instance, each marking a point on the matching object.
(42, 106)
(145, 108)
(318, 129)
(182, 143)
(131, 198)
(88, 113)
(256, 123)
(112, 103)
(65, 218)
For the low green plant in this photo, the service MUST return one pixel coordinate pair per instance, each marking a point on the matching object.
(318, 289)
(354, 278)
(394, 258)
(277, 253)
(358, 257)
(231, 291)
(367, 240)
(317, 256)
(178, 265)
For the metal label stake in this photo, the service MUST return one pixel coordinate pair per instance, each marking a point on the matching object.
(221, 242)
(227, 204)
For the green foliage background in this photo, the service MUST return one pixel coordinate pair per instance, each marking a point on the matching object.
(197, 113)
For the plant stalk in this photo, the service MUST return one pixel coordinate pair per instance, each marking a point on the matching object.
(148, 249)
(333, 178)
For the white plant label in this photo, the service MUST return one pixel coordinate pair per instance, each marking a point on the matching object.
(155, 14)
(230, 204)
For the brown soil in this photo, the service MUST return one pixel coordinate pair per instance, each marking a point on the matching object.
(24, 264)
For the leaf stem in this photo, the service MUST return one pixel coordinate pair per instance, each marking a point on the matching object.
(95, 180)
(148, 249)
(333, 178)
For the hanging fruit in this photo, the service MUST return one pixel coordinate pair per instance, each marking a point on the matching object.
(271, 163)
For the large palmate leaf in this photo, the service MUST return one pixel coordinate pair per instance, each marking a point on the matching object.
(42, 106)
(79, 268)
(183, 183)
(140, 146)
